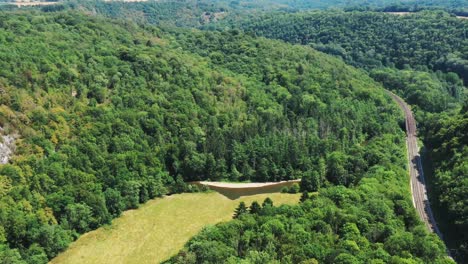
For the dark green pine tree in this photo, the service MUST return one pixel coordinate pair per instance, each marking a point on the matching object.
(255, 207)
(310, 181)
(304, 196)
(241, 209)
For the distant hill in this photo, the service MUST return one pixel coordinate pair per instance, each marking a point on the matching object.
(196, 13)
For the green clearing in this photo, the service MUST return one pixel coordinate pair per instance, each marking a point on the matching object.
(159, 228)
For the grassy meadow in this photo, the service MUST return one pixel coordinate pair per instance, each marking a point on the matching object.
(158, 229)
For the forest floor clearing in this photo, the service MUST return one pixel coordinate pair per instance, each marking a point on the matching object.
(159, 228)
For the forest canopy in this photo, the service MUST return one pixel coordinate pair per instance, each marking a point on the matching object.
(421, 57)
(111, 114)
(423, 41)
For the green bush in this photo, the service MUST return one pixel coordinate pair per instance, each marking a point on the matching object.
(294, 188)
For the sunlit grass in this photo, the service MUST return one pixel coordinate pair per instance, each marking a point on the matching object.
(159, 229)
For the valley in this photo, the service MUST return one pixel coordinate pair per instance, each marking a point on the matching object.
(417, 180)
(117, 116)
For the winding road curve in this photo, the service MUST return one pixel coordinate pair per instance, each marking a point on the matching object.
(418, 184)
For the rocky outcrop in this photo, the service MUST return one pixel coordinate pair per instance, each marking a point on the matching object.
(7, 146)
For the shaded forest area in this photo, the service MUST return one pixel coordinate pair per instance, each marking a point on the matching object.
(446, 140)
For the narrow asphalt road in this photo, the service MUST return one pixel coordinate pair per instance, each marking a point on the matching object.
(418, 184)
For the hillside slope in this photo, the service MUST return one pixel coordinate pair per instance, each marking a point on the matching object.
(110, 114)
(196, 13)
(446, 140)
(418, 57)
(424, 40)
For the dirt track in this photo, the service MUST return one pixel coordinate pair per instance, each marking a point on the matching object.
(418, 184)
(235, 185)
(236, 190)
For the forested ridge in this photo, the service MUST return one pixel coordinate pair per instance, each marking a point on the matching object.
(425, 40)
(111, 114)
(428, 92)
(199, 13)
(291, 234)
(371, 221)
(421, 57)
(446, 140)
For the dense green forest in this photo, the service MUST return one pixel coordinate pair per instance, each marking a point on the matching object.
(446, 140)
(296, 5)
(422, 41)
(198, 13)
(421, 57)
(428, 92)
(178, 13)
(456, 7)
(371, 223)
(317, 230)
(111, 114)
